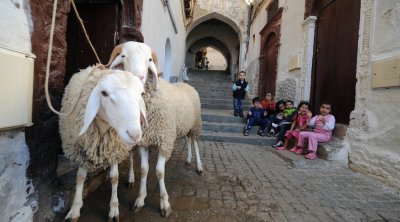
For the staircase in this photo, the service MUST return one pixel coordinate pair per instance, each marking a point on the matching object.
(219, 124)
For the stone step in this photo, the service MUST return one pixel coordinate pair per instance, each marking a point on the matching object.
(252, 139)
(223, 106)
(227, 127)
(221, 101)
(220, 116)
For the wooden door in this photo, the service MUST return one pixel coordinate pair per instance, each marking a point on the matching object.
(268, 65)
(101, 22)
(335, 57)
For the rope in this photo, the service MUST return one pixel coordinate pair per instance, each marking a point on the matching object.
(53, 19)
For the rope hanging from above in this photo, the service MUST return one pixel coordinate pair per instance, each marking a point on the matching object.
(49, 52)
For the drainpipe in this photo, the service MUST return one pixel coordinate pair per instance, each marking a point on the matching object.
(171, 16)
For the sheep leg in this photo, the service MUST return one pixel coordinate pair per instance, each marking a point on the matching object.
(144, 156)
(114, 211)
(198, 160)
(77, 203)
(131, 179)
(165, 207)
(189, 150)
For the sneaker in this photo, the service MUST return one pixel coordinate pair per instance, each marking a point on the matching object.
(280, 148)
(261, 133)
(245, 132)
(274, 125)
(279, 143)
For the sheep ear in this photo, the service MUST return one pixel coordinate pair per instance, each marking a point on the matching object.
(142, 106)
(92, 109)
(116, 51)
(153, 68)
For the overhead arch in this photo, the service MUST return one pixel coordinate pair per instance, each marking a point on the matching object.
(207, 42)
(217, 16)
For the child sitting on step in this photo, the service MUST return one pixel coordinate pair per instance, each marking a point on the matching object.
(288, 113)
(299, 124)
(256, 116)
(322, 124)
(268, 103)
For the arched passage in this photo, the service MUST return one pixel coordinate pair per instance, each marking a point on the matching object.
(192, 57)
(219, 32)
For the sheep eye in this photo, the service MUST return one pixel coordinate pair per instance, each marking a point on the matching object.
(104, 93)
(150, 59)
(142, 93)
(123, 56)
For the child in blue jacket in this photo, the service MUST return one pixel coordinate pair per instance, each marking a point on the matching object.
(257, 116)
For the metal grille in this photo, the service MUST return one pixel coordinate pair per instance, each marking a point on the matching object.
(272, 10)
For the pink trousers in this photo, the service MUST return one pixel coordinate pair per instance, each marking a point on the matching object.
(313, 139)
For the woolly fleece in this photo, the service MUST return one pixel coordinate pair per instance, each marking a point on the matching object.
(173, 111)
(91, 150)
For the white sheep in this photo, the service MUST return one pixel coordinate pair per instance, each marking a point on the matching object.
(173, 111)
(103, 127)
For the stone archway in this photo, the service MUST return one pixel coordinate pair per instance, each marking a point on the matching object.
(206, 42)
(219, 32)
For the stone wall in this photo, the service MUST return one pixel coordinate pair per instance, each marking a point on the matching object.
(42, 138)
(373, 132)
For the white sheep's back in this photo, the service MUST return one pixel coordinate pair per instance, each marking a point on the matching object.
(89, 150)
(171, 105)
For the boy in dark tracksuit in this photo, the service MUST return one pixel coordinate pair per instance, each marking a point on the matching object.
(257, 116)
(239, 88)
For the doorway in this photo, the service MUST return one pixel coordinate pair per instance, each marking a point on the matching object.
(335, 57)
(101, 29)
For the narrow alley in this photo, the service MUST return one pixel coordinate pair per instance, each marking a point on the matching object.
(244, 182)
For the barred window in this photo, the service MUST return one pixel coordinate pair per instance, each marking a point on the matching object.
(272, 10)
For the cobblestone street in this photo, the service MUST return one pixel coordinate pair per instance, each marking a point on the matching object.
(250, 183)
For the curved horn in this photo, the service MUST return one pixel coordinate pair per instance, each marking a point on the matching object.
(153, 68)
(116, 51)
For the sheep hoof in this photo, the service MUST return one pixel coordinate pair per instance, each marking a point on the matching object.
(130, 186)
(72, 219)
(166, 212)
(200, 172)
(114, 219)
(136, 209)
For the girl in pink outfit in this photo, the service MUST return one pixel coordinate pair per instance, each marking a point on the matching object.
(299, 124)
(323, 125)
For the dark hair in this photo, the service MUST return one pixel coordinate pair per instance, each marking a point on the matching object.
(242, 72)
(304, 103)
(326, 102)
(277, 110)
(289, 101)
(256, 99)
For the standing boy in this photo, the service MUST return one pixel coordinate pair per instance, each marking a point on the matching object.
(239, 88)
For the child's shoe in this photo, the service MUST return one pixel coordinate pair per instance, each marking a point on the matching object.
(261, 133)
(294, 149)
(271, 133)
(278, 144)
(299, 151)
(311, 156)
(280, 148)
(245, 132)
(274, 125)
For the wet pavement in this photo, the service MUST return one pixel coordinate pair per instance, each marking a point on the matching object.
(249, 183)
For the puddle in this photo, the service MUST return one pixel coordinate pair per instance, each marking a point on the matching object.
(189, 203)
